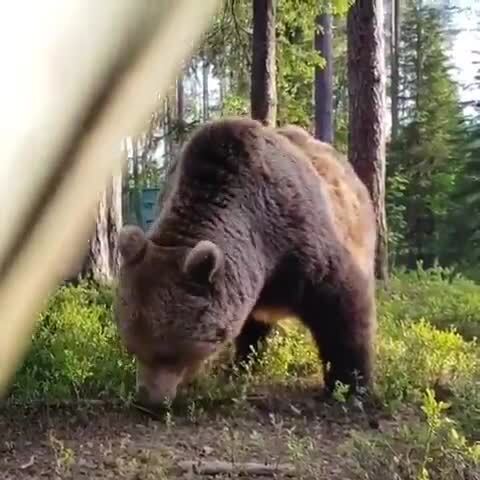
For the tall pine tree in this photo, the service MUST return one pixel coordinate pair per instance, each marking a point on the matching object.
(426, 158)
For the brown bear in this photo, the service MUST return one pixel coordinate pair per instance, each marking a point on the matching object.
(260, 223)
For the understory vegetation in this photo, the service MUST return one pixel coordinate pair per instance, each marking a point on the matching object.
(428, 361)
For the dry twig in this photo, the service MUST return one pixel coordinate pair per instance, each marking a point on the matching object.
(216, 467)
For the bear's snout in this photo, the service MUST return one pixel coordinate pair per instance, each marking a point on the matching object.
(155, 386)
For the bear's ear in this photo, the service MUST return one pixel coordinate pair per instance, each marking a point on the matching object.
(132, 243)
(203, 262)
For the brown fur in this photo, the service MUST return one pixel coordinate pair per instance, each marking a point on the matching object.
(259, 224)
(348, 195)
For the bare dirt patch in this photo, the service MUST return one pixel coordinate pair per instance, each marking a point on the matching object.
(100, 442)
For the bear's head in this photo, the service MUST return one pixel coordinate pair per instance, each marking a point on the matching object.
(169, 310)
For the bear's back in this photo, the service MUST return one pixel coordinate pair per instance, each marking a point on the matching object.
(353, 214)
(235, 154)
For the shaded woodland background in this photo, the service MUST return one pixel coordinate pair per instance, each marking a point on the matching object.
(424, 134)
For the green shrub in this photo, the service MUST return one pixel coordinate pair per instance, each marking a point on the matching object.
(75, 351)
(415, 356)
(445, 299)
(432, 450)
(290, 354)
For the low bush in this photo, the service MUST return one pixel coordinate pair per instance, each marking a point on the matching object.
(445, 299)
(432, 450)
(76, 352)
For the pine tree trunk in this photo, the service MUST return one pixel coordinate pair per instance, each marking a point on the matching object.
(137, 191)
(180, 99)
(366, 92)
(324, 80)
(223, 88)
(180, 120)
(205, 95)
(394, 59)
(419, 90)
(168, 128)
(126, 177)
(263, 94)
(102, 261)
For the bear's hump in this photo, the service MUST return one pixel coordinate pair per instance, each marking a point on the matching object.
(222, 144)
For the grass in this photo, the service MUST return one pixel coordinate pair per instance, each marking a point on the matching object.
(427, 358)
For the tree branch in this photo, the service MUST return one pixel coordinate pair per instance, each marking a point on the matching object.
(216, 467)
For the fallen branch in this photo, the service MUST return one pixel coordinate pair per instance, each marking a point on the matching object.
(64, 404)
(216, 467)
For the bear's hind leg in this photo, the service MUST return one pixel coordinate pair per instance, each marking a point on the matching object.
(343, 325)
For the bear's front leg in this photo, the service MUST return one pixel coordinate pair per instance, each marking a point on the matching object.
(251, 339)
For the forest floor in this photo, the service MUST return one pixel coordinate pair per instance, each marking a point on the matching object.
(98, 442)
(427, 377)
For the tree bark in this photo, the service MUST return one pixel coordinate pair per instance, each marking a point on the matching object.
(394, 62)
(168, 127)
(125, 181)
(180, 100)
(223, 88)
(205, 90)
(324, 80)
(180, 124)
(103, 259)
(137, 195)
(419, 90)
(263, 94)
(366, 92)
